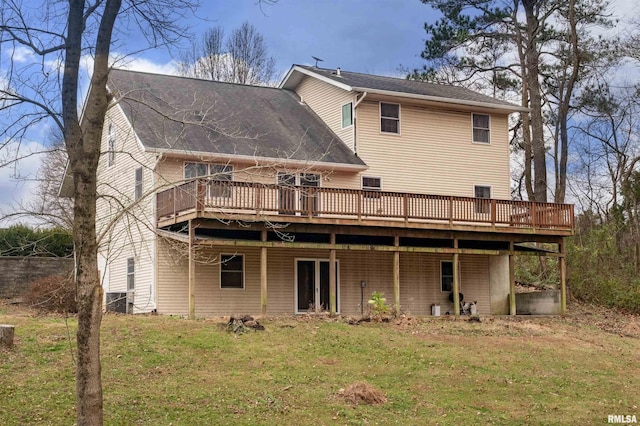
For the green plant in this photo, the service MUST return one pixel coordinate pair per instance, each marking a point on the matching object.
(378, 304)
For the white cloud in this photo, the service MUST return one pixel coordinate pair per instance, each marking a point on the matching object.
(18, 179)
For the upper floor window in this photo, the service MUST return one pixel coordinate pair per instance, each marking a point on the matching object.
(481, 128)
(483, 192)
(131, 274)
(232, 271)
(138, 184)
(389, 118)
(347, 115)
(111, 159)
(221, 175)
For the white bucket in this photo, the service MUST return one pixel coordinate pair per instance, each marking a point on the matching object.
(435, 310)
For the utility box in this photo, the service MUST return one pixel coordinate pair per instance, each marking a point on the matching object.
(435, 310)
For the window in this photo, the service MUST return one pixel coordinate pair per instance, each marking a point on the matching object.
(371, 186)
(111, 159)
(446, 276)
(347, 115)
(389, 118)
(194, 170)
(131, 272)
(138, 185)
(483, 205)
(481, 128)
(221, 175)
(231, 271)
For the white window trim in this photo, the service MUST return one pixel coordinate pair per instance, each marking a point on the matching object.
(390, 118)
(136, 197)
(473, 127)
(342, 118)
(111, 145)
(459, 277)
(298, 177)
(370, 177)
(475, 209)
(475, 185)
(317, 272)
(133, 274)
(243, 272)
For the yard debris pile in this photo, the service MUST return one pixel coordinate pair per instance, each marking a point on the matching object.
(243, 324)
(362, 393)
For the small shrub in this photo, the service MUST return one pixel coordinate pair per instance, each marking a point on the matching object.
(378, 304)
(55, 293)
(362, 393)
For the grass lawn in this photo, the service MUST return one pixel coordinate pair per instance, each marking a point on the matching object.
(162, 370)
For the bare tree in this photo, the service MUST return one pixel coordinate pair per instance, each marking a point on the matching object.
(243, 58)
(46, 88)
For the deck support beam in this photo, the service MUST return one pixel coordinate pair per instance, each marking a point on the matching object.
(333, 285)
(263, 274)
(563, 279)
(192, 272)
(512, 282)
(456, 281)
(396, 276)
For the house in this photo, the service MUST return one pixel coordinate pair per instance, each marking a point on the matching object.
(221, 199)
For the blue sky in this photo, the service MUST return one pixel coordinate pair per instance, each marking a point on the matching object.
(370, 36)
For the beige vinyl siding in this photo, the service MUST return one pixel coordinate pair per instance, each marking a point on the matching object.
(327, 100)
(127, 226)
(171, 171)
(434, 154)
(419, 281)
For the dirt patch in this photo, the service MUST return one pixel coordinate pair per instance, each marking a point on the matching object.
(362, 393)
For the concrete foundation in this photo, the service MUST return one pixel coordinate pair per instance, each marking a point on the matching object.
(538, 303)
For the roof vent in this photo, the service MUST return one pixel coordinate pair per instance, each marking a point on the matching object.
(338, 71)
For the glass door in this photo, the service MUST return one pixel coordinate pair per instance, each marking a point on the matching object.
(287, 193)
(312, 285)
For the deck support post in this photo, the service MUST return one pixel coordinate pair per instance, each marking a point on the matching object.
(396, 276)
(512, 280)
(563, 279)
(333, 285)
(192, 272)
(456, 281)
(263, 274)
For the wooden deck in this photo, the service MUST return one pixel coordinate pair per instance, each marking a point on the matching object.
(204, 198)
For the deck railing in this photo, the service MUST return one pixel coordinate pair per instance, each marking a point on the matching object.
(260, 199)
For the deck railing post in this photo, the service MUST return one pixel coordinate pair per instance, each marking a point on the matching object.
(533, 214)
(200, 190)
(493, 212)
(406, 207)
(450, 210)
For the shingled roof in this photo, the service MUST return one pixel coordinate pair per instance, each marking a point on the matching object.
(190, 116)
(357, 82)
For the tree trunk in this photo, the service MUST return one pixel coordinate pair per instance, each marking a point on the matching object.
(6, 335)
(535, 99)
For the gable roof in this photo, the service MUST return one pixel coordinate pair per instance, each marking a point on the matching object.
(357, 82)
(201, 117)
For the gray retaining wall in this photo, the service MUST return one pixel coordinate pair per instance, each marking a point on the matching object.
(16, 273)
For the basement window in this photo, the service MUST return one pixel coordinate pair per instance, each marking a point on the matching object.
(232, 271)
(446, 276)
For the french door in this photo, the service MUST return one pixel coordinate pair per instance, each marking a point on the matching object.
(297, 193)
(312, 285)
